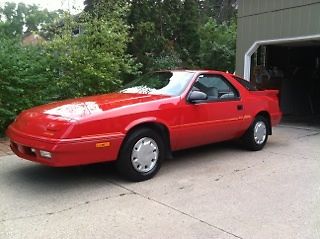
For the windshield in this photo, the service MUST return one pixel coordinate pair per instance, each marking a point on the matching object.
(160, 83)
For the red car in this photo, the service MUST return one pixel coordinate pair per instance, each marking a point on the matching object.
(142, 124)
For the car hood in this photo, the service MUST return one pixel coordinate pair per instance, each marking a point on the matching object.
(54, 119)
(77, 109)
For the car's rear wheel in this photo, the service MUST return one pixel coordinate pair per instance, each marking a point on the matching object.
(256, 136)
(141, 155)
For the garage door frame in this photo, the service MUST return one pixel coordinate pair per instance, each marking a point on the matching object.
(255, 46)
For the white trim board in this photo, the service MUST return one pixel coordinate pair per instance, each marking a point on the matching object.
(255, 46)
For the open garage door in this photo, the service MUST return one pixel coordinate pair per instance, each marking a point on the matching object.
(294, 69)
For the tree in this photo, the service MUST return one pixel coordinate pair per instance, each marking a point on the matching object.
(227, 10)
(219, 10)
(17, 19)
(148, 40)
(218, 43)
(171, 11)
(12, 19)
(94, 60)
(189, 38)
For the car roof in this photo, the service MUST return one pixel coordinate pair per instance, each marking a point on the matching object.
(208, 71)
(195, 71)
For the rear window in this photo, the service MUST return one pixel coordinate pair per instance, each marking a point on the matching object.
(245, 83)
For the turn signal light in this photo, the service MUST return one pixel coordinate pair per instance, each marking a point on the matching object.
(45, 154)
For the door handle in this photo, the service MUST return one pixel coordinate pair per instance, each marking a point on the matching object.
(239, 107)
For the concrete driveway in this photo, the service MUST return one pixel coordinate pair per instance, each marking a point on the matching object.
(217, 191)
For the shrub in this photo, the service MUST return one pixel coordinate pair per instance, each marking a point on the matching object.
(24, 79)
(71, 65)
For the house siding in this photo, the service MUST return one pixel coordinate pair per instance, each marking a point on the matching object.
(274, 19)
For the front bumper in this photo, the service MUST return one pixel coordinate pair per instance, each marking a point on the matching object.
(66, 152)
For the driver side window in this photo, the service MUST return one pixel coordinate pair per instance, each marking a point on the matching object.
(215, 87)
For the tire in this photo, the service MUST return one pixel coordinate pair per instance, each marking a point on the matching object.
(256, 136)
(141, 155)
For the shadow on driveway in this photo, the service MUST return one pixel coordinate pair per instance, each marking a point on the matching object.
(44, 179)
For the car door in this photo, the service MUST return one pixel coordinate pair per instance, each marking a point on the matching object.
(216, 119)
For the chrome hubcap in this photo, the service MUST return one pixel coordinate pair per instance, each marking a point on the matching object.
(260, 132)
(144, 155)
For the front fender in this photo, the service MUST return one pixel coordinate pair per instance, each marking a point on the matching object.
(137, 122)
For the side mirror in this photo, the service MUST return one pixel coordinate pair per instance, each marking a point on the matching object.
(197, 97)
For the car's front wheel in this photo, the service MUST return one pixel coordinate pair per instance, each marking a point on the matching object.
(141, 155)
(257, 135)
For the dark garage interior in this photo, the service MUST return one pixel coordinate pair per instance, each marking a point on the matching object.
(294, 69)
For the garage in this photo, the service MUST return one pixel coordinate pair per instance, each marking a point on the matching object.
(294, 69)
(278, 47)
